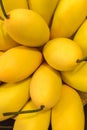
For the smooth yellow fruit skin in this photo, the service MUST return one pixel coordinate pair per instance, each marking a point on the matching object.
(62, 53)
(68, 114)
(1, 52)
(27, 27)
(13, 97)
(45, 8)
(13, 4)
(81, 37)
(77, 78)
(45, 87)
(19, 63)
(68, 16)
(6, 42)
(32, 121)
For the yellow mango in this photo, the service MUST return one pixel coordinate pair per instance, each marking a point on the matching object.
(62, 53)
(18, 63)
(45, 8)
(6, 42)
(45, 86)
(68, 114)
(27, 27)
(13, 97)
(32, 121)
(81, 37)
(13, 4)
(76, 78)
(68, 16)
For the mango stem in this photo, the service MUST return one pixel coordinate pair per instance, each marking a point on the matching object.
(81, 60)
(6, 127)
(3, 10)
(23, 112)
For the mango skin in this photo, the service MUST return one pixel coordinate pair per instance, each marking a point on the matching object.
(13, 4)
(45, 86)
(68, 114)
(81, 37)
(68, 16)
(76, 78)
(6, 42)
(1, 52)
(13, 97)
(45, 8)
(19, 63)
(62, 53)
(27, 27)
(32, 121)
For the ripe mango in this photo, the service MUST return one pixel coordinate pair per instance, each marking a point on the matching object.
(68, 114)
(19, 63)
(45, 86)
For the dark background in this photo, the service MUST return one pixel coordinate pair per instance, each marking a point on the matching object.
(10, 122)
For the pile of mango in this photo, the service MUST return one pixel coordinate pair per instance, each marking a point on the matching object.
(43, 63)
